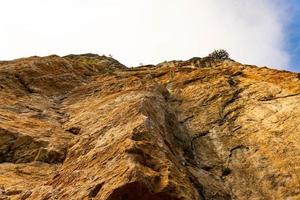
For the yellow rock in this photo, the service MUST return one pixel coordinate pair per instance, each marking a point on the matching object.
(87, 127)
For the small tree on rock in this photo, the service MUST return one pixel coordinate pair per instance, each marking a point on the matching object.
(220, 54)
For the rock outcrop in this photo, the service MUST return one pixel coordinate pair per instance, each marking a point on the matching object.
(87, 127)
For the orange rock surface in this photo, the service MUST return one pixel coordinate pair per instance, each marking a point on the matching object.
(87, 127)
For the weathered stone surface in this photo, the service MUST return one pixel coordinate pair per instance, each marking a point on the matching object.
(87, 127)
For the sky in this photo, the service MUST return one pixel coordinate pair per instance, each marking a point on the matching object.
(258, 32)
(293, 36)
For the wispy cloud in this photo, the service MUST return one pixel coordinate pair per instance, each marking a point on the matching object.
(146, 31)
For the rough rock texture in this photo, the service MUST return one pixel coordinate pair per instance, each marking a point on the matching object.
(87, 127)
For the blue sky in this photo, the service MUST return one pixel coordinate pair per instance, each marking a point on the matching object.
(293, 36)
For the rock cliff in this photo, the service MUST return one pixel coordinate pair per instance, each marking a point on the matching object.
(87, 127)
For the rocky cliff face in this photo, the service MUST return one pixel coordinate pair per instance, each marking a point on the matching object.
(87, 127)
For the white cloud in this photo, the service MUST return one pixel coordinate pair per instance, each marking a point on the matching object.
(147, 31)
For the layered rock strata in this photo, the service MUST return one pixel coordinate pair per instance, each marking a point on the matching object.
(87, 127)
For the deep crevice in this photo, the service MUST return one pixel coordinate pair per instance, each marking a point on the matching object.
(94, 192)
(138, 191)
(198, 186)
(74, 130)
